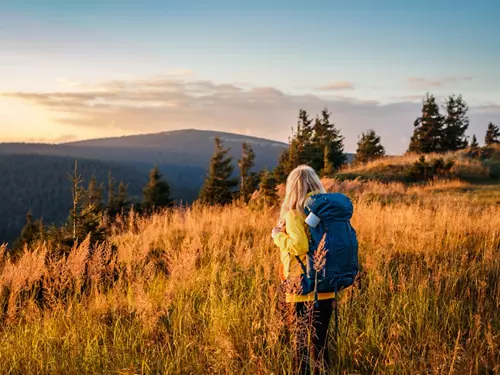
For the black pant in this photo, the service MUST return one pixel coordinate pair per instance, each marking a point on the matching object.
(311, 333)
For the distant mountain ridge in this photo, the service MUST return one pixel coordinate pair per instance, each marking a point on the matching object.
(180, 147)
(183, 135)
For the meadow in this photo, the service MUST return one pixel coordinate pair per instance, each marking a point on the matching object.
(196, 291)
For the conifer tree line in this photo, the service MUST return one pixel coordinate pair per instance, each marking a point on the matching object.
(443, 131)
(94, 209)
(316, 142)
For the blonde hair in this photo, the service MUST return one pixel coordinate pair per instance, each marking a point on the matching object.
(300, 182)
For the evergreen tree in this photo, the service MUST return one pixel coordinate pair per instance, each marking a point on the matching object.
(122, 200)
(423, 170)
(304, 134)
(492, 135)
(300, 148)
(474, 150)
(111, 195)
(33, 230)
(219, 184)
(267, 189)
(327, 139)
(427, 135)
(77, 192)
(156, 194)
(282, 169)
(86, 215)
(117, 201)
(328, 167)
(248, 179)
(455, 124)
(320, 146)
(92, 211)
(369, 147)
(474, 144)
(295, 155)
(94, 195)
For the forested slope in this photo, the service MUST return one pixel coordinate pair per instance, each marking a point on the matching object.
(41, 184)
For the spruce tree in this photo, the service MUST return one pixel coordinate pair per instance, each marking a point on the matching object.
(282, 168)
(320, 146)
(268, 194)
(474, 145)
(122, 200)
(295, 156)
(248, 179)
(328, 167)
(492, 135)
(369, 147)
(77, 193)
(91, 213)
(117, 200)
(304, 134)
(427, 135)
(32, 231)
(111, 206)
(300, 147)
(93, 198)
(219, 184)
(327, 138)
(456, 124)
(156, 193)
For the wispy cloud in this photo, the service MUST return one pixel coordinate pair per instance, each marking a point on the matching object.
(335, 86)
(160, 103)
(424, 82)
(181, 72)
(411, 98)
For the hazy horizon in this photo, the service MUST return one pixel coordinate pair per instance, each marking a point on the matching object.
(95, 70)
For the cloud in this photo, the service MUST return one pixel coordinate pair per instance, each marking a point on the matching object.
(60, 139)
(410, 98)
(159, 104)
(181, 72)
(336, 86)
(424, 82)
(68, 83)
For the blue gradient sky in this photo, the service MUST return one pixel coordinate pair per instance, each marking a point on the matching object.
(384, 52)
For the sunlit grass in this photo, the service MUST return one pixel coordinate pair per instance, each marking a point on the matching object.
(395, 168)
(196, 291)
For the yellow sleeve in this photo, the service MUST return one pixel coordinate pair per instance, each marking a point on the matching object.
(295, 240)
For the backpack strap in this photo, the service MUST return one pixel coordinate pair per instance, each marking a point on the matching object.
(302, 265)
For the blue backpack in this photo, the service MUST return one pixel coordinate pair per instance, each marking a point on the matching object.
(328, 216)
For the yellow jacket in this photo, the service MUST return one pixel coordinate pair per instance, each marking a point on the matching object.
(295, 242)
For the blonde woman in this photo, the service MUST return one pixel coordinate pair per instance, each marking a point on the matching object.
(291, 236)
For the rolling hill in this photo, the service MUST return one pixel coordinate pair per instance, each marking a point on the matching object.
(34, 176)
(184, 147)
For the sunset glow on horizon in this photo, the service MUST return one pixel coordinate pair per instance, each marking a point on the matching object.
(79, 71)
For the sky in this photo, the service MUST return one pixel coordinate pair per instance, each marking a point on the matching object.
(72, 70)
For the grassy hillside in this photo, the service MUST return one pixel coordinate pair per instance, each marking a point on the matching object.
(396, 168)
(196, 291)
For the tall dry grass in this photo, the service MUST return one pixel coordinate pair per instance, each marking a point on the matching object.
(196, 291)
(395, 168)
